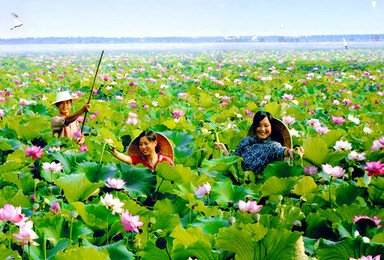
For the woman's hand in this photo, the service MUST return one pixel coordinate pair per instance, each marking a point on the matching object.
(87, 107)
(222, 147)
(80, 141)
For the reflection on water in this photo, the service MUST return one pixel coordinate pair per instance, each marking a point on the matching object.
(179, 47)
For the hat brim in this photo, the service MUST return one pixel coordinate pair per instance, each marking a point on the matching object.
(163, 144)
(65, 99)
(280, 133)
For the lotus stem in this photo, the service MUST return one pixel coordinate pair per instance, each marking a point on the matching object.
(45, 248)
(70, 234)
(166, 250)
(158, 188)
(102, 152)
(133, 245)
(107, 230)
(330, 198)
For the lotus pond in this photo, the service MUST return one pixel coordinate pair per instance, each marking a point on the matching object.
(61, 202)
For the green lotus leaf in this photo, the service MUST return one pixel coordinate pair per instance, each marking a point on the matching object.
(376, 192)
(30, 130)
(224, 192)
(347, 248)
(318, 226)
(258, 231)
(347, 194)
(6, 253)
(77, 187)
(68, 161)
(205, 100)
(379, 238)
(199, 206)
(304, 186)
(6, 193)
(331, 137)
(138, 181)
(37, 109)
(316, 150)
(26, 183)
(10, 144)
(116, 250)
(222, 164)
(4, 146)
(275, 109)
(189, 236)
(94, 216)
(278, 186)
(38, 252)
(165, 222)
(169, 173)
(288, 214)
(80, 253)
(177, 206)
(20, 200)
(282, 170)
(95, 172)
(151, 251)
(211, 225)
(132, 207)
(198, 249)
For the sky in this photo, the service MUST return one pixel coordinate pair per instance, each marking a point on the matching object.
(189, 18)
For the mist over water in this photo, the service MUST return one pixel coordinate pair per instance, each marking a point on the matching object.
(24, 49)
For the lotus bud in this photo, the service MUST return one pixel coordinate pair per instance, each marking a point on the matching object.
(256, 217)
(297, 223)
(280, 197)
(159, 232)
(232, 220)
(36, 206)
(46, 200)
(73, 214)
(33, 197)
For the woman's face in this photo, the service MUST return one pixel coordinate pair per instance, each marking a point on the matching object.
(146, 146)
(65, 107)
(264, 129)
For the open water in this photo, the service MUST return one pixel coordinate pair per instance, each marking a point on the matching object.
(24, 49)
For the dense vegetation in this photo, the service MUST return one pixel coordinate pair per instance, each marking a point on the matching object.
(326, 205)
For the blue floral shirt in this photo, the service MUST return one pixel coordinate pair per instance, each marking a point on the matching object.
(257, 154)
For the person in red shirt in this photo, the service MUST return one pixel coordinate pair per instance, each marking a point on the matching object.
(149, 149)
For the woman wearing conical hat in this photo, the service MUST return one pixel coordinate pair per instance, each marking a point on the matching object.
(268, 141)
(149, 149)
(65, 124)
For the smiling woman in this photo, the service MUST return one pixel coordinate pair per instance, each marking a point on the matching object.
(149, 149)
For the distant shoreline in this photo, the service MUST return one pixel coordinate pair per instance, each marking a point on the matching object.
(182, 47)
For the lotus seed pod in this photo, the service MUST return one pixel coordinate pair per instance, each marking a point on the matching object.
(73, 214)
(231, 220)
(161, 243)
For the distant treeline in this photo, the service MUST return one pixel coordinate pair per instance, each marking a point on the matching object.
(90, 40)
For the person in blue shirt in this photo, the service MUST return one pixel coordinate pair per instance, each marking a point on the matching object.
(258, 149)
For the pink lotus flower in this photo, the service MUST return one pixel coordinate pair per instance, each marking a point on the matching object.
(10, 213)
(2, 113)
(249, 206)
(374, 219)
(177, 113)
(55, 208)
(80, 119)
(146, 107)
(203, 190)
(224, 104)
(34, 151)
(115, 183)
(314, 123)
(111, 203)
(52, 167)
(374, 168)
(356, 156)
(338, 120)
(366, 258)
(336, 171)
(182, 95)
(83, 148)
(342, 146)
(289, 120)
(93, 116)
(53, 149)
(77, 134)
(377, 145)
(247, 111)
(310, 170)
(322, 130)
(26, 234)
(130, 222)
(288, 96)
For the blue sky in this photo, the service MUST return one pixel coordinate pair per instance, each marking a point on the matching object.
(155, 18)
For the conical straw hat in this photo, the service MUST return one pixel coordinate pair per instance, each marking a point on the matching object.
(63, 96)
(280, 133)
(163, 144)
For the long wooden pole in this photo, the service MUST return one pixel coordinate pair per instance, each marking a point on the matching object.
(90, 94)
